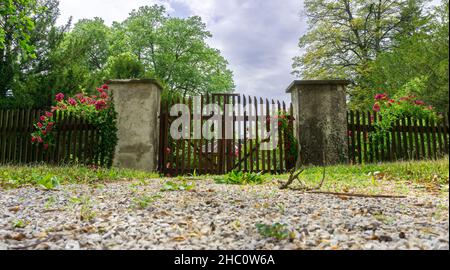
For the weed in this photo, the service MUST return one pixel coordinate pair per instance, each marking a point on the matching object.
(173, 186)
(240, 178)
(20, 224)
(144, 202)
(277, 231)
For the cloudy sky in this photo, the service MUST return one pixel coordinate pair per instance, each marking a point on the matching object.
(258, 37)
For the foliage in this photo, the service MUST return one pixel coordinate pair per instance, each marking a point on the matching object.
(30, 73)
(97, 110)
(125, 66)
(291, 142)
(240, 178)
(144, 202)
(384, 178)
(182, 186)
(48, 181)
(391, 110)
(382, 46)
(277, 231)
(19, 176)
(344, 36)
(418, 65)
(173, 50)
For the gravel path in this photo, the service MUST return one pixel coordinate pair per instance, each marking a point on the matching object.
(139, 216)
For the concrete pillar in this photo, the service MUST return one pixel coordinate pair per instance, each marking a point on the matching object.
(320, 111)
(137, 103)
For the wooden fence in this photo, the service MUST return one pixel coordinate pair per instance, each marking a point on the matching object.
(408, 139)
(219, 156)
(75, 139)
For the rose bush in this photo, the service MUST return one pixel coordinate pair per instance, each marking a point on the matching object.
(98, 110)
(390, 110)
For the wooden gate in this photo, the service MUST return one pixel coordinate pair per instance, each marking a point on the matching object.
(239, 152)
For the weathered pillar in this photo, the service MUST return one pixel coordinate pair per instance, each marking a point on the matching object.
(320, 111)
(137, 103)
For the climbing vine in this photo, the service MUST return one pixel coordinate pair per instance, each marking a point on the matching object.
(97, 110)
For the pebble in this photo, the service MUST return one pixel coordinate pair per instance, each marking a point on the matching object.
(219, 217)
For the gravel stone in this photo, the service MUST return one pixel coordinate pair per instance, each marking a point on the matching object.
(213, 216)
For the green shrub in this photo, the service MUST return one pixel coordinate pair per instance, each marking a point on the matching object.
(240, 178)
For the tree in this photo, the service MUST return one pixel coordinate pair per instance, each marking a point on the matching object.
(173, 50)
(417, 65)
(345, 36)
(16, 26)
(82, 56)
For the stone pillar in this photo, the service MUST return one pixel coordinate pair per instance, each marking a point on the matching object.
(320, 111)
(137, 103)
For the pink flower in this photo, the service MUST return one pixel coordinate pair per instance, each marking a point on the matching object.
(100, 90)
(49, 114)
(168, 150)
(83, 100)
(40, 125)
(59, 97)
(72, 101)
(380, 96)
(100, 104)
(54, 109)
(104, 95)
(39, 139)
(419, 102)
(376, 107)
(43, 118)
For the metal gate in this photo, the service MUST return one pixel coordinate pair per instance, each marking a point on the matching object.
(235, 146)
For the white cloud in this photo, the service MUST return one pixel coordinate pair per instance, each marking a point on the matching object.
(258, 37)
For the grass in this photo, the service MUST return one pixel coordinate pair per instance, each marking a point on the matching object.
(51, 176)
(398, 178)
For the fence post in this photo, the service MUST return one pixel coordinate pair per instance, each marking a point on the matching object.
(320, 112)
(137, 103)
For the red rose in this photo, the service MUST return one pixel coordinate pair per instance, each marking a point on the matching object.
(59, 97)
(72, 101)
(83, 100)
(419, 102)
(49, 114)
(100, 90)
(105, 87)
(104, 95)
(380, 97)
(100, 104)
(44, 132)
(376, 107)
(40, 125)
(39, 139)
(33, 139)
(43, 118)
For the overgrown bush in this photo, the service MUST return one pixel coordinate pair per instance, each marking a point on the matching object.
(96, 110)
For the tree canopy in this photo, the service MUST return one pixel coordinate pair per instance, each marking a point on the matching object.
(148, 44)
(387, 46)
